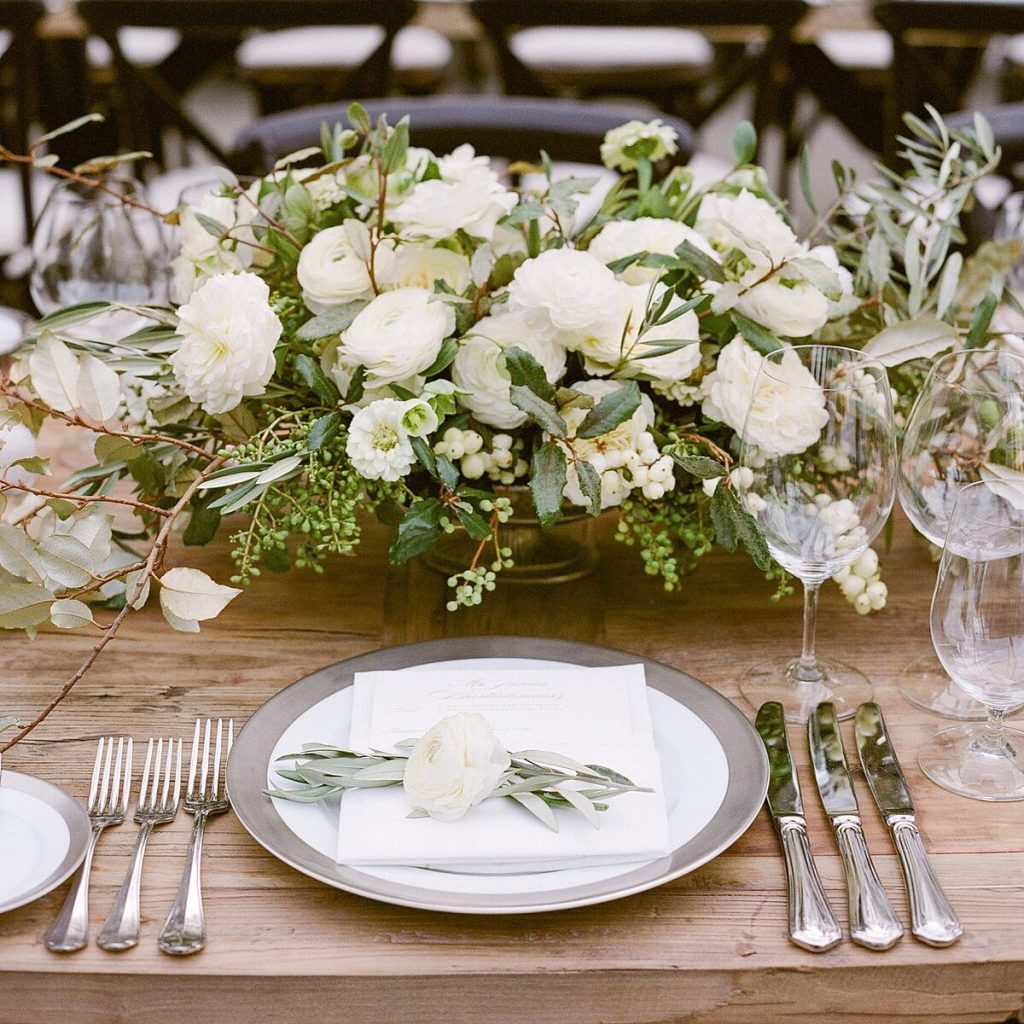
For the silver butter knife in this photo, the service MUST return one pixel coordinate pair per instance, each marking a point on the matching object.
(812, 923)
(932, 919)
(873, 922)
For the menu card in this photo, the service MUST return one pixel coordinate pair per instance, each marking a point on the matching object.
(595, 715)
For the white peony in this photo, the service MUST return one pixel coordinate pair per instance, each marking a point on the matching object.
(621, 238)
(784, 417)
(332, 273)
(479, 367)
(454, 765)
(461, 161)
(750, 224)
(568, 291)
(788, 309)
(419, 266)
(437, 208)
(228, 333)
(378, 441)
(398, 335)
(625, 145)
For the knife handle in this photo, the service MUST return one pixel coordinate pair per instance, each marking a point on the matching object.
(873, 922)
(932, 919)
(812, 924)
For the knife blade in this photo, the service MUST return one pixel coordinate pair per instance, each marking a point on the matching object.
(812, 923)
(932, 919)
(873, 922)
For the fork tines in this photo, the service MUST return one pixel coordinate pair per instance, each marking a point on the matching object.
(100, 785)
(209, 789)
(156, 800)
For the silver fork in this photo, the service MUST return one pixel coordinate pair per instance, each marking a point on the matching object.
(156, 806)
(184, 930)
(108, 802)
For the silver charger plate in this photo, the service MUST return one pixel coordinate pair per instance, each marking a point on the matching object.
(44, 834)
(281, 830)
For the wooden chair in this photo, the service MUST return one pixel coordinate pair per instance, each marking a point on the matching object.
(938, 46)
(211, 30)
(513, 128)
(738, 20)
(20, 75)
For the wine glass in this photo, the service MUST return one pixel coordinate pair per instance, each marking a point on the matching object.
(967, 423)
(819, 441)
(977, 623)
(88, 245)
(1010, 224)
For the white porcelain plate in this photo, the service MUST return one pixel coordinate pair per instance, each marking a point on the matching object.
(713, 765)
(43, 837)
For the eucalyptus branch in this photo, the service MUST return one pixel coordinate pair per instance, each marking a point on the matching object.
(149, 566)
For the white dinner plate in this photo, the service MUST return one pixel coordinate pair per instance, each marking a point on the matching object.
(43, 838)
(714, 769)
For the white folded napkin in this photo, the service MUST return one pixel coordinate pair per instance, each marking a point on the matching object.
(595, 715)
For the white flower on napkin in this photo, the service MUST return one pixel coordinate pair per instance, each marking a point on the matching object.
(454, 766)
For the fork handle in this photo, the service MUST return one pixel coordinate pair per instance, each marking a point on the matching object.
(121, 929)
(71, 929)
(184, 930)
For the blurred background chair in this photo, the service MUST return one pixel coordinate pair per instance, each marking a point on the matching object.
(148, 91)
(938, 49)
(655, 49)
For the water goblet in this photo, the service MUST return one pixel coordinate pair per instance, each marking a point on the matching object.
(819, 444)
(88, 245)
(967, 424)
(977, 624)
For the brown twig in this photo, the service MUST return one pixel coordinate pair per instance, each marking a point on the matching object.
(81, 499)
(149, 566)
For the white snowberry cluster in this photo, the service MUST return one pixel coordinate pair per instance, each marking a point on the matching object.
(503, 463)
(642, 466)
(841, 521)
(862, 584)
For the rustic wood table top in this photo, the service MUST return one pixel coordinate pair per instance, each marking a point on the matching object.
(709, 947)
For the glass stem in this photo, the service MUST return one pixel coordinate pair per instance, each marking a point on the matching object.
(808, 669)
(992, 738)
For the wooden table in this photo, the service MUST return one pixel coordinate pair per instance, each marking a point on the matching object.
(709, 947)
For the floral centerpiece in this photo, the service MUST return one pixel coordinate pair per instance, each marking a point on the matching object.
(401, 332)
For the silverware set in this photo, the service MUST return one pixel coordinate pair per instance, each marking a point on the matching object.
(159, 797)
(873, 922)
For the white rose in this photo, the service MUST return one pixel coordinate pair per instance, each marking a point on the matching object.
(784, 417)
(479, 367)
(789, 310)
(228, 333)
(198, 245)
(570, 291)
(454, 766)
(419, 266)
(437, 209)
(625, 145)
(621, 238)
(462, 161)
(750, 224)
(398, 335)
(331, 273)
(378, 442)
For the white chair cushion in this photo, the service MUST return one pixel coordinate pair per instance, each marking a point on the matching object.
(857, 48)
(610, 48)
(143, 47)
(342, 46)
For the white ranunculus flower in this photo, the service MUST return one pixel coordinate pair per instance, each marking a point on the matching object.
(479, 367)
(454, 765)
(436, 209)
(331, 273)
(625, 145)
(614, 448)
(419, 266)
(621, 238)
(398, 335)
(784, 417)
(228, 333)
(378, 441)
(569, 291)
(789, 310)
(735, 221)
